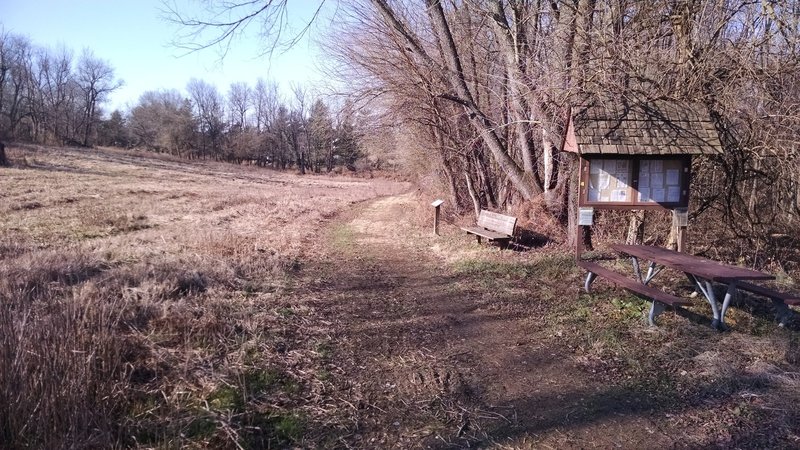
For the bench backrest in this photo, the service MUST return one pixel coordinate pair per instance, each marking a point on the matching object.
(497, 222)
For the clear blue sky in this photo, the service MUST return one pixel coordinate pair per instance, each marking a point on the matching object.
(133, 37)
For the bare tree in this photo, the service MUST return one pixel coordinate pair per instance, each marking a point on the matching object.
(219, 23)
(54, 75)
(96, 80)
(265, 103)
(15, 57)
(162, 121)
(298, 128)
(239, 101)
(209, 113)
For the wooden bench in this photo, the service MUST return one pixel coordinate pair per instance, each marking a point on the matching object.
(493, 227)
(781, 300)
(659, 298)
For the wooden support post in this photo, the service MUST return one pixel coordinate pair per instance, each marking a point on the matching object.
(682, 239)
(437, 206)
(680, 219)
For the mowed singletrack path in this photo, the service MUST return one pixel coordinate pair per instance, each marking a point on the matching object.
(435, 357)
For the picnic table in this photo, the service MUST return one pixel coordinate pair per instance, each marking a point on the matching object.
(700, 271)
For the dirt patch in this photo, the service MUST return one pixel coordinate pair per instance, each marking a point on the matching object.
(444, 344)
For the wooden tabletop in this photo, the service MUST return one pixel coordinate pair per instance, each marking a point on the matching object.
(696, 265)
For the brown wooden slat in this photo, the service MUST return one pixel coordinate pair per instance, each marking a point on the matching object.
(488, 234)
(497, 222)
(696, 265)
(633, 285)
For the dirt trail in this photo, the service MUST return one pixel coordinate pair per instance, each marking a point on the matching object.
(440, 359)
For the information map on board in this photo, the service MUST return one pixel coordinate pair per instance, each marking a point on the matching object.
(658, 181)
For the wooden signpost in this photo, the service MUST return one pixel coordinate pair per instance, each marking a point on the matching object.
(436, 206)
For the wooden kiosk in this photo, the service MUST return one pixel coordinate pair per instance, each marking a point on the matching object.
(637, 155)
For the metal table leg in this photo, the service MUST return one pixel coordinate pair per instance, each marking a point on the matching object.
(655, 310)
(636, 269)
(783, 314)
(729, 294)
(652, 271)
(589, 278)
(707, 289)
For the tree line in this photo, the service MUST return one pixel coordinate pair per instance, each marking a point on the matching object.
(482, 88)
(247, 124)
(485, 85)
(51, 97)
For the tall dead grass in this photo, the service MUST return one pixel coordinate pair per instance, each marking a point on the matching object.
(139, 299)
(63, 363)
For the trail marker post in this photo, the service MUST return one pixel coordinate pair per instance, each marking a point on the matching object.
(436, 206)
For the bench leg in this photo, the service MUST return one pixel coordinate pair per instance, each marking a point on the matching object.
(729, 294)
(707, 289)
(589, 278)
(479, 239)
(655, 310)
(783, 314)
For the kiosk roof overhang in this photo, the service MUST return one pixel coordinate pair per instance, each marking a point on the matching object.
(659, 127)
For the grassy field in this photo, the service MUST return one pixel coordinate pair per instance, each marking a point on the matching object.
(156, 303)
(139, 294)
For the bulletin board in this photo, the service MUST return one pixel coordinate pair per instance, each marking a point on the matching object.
(659, 181)
(635, 182)
(609, 181)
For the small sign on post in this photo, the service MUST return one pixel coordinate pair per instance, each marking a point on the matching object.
(680, 217)
(437, 206)
(585, 216)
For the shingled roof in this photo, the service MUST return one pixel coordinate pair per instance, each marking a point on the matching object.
(637, 128)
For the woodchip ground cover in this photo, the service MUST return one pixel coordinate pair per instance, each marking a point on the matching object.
(156, 303)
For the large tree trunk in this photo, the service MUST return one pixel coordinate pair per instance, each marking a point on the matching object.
(453, 73)
(476, 203)
(3, 160)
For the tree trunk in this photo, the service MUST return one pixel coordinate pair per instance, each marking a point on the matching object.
(3, 160)
(547, 159)
(454, 74)
(476, 203)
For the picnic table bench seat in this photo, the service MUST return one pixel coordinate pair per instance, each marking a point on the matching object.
(786, 297)
(780, 300)
(659, 298)
(493, 226)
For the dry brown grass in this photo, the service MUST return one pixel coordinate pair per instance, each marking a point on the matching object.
(140, 298)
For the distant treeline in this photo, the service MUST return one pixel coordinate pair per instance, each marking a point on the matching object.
(50, 97)
(248, 124)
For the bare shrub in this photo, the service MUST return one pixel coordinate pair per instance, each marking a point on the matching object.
(535, 217)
